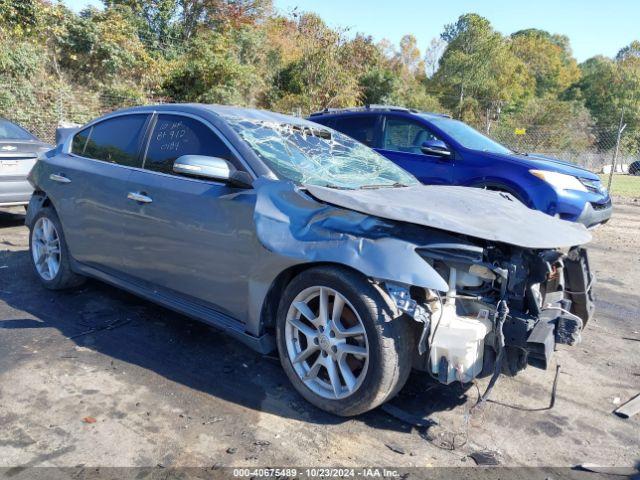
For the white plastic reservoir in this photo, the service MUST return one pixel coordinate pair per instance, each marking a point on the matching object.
(461, 341)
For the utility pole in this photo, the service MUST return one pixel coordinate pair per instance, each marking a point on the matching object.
(621, 128)
(488, 124)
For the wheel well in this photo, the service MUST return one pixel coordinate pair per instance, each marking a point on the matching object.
(47, 201)
(271, 302)
(499, 187)
(42, 203)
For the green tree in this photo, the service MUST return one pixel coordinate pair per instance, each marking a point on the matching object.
(156, 21)
(213, 71)
(102, 47)
(630, 52)
(478, 69)
(609, 85)
(19, 17)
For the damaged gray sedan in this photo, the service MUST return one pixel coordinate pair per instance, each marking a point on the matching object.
(291, 236)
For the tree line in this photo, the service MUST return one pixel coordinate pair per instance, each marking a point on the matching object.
(244, 52)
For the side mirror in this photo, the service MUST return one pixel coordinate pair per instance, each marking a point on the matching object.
(213, 168)
(435, 147)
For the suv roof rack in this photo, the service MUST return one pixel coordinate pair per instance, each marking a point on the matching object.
(393, 108)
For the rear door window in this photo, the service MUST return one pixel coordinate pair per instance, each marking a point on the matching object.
(361, 128)
(402, 135)
(175, 135)
(79, 141)
(115, 140)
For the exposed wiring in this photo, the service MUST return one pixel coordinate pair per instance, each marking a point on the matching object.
(435, 328)
(502, 310)
(552, 400)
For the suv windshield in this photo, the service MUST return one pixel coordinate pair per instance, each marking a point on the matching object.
(11, 131)
(466, 136)
(315, 155)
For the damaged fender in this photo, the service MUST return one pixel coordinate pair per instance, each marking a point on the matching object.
(292, 224)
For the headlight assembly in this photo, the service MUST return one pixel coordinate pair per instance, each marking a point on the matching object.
(594, 185)
(559, 181)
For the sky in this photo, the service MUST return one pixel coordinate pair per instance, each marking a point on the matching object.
(594, 27)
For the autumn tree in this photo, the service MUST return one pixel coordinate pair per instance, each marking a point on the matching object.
(318, 74)
(548, 58)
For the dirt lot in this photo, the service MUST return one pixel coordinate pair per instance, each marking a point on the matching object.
(165, 390)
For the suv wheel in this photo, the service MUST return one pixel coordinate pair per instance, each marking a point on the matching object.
(49, 253)
(337, 343)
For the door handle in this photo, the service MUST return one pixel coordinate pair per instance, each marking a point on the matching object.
(139, 197)
(59, 177)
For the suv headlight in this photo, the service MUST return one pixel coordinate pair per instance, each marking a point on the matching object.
(559, 181)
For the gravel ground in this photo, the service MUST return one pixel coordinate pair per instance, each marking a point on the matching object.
(98, 377)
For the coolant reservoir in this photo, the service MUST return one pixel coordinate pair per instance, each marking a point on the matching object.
(459, 340)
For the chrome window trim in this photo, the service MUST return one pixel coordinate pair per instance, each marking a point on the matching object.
(151, 172)
(66, 148)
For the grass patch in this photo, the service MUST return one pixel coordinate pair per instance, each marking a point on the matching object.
(623, 185)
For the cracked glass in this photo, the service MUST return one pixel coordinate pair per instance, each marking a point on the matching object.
(314, 155)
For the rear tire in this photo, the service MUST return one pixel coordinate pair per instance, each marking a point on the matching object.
(354, 356)
(49, 252)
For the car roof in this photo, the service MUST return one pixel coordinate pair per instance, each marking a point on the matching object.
(223, 111)
(335, 112)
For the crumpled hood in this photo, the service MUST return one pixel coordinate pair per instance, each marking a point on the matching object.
(469, 211)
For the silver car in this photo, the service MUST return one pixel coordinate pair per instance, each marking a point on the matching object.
(19, 150)
(288, 235)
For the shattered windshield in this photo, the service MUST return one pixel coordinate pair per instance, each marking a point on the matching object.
(318, 156)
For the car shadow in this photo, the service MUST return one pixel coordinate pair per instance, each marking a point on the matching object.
(132, 330)
(11, 217)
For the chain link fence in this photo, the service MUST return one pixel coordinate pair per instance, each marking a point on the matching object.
(594, 150)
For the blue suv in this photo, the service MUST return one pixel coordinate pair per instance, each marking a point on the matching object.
(439, 150)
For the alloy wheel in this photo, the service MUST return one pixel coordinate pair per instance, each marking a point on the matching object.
(45, 248)
(326, 342)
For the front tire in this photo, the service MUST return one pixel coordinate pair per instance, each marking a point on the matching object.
(338, 344)
(49, 252)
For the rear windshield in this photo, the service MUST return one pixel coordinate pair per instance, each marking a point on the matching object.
(11, 131)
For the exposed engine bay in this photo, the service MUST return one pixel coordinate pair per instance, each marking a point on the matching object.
(505, 308)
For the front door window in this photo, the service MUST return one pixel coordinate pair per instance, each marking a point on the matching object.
(402, 135)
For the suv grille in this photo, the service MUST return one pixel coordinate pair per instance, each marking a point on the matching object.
(601, 206)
